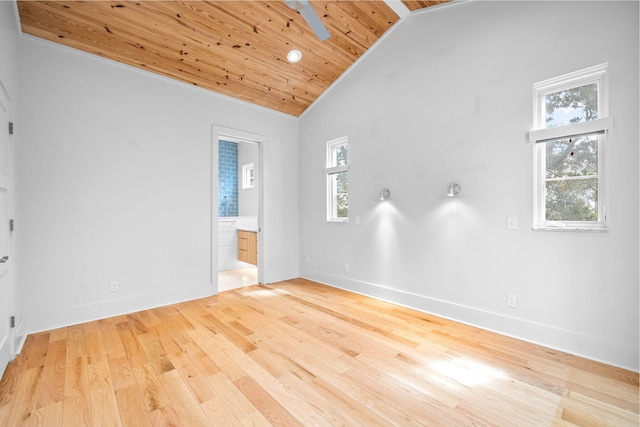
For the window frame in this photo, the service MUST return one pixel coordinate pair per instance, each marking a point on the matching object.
(248, 177)
(332, 169)
(542, 135)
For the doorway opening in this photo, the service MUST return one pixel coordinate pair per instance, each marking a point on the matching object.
(237, 209)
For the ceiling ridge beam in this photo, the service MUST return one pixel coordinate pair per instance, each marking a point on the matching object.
(398, 7)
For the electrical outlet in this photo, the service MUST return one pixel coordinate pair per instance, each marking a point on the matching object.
(512, 301)
(346, 268)
(308, 260)
(512, 223)
(114, 286)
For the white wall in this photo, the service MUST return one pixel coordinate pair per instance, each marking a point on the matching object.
(248, 152)
(447, 95)
(9, 46)
(114, 182)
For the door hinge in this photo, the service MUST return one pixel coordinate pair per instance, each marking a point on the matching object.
(10, 128)
(11, 225)
(12, 321)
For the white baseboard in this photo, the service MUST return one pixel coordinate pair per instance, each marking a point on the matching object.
(603, 349)
(5, 354)
(20, 335)
(282, 275)
(72, 315)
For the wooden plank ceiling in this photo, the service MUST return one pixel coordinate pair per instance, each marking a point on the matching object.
(236, 48)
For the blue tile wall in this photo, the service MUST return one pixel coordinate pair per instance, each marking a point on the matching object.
(227, 178)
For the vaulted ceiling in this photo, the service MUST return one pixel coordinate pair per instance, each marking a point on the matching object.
(234, 47)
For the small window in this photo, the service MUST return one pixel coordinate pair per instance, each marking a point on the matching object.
(337, 171)
(247, 176)
(571, 121)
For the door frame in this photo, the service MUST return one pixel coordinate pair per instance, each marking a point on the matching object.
(12, 345)
(236, 135)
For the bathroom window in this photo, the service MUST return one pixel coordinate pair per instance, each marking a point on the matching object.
(571, 121)
(337, 171)
(247, 176)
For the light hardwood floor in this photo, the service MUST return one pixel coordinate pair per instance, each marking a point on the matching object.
(300, 353)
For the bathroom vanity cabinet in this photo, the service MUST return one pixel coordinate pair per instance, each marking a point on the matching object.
(248, 246)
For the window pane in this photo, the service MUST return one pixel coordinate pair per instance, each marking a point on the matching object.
(341, 152)
(578, 104)
(572, 157)
(572, 200)
(340, 194)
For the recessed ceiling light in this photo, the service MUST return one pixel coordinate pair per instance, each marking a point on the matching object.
(294, 56)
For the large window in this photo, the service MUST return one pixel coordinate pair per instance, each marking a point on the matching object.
(571, 121)
(337, 171)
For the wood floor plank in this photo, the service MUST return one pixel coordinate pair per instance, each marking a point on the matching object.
(51, 389)
(302, 353)
(47, 416)
(236, 401)
(24, 400)
(192, 377)
(166, 417)
(121, 372)
(209, 344)
(217, 410)
(77, 400)
(134, 350)
(151, 391)
(288, 398)
(132, 410)
(95, 347)
(267, 405)
(200, 359)
(183, 401)
(583, 410)
(156, 354)
(58, 334)
(104, 408)
(37, 350)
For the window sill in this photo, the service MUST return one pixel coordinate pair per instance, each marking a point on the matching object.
(571, 229)
(338, 221)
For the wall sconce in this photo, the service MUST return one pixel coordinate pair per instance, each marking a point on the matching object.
(384, 194)
(454, 189)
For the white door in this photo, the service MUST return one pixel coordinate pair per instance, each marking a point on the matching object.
(6, 285)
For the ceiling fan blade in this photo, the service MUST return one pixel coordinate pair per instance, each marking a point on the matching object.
(312, 18)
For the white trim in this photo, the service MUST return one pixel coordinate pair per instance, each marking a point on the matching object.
(580, 229)
(570, 131)
(603, 349)
(248, 178)
(569, 80)
(332, 169)
(20, 335)
(599, 75)
(237, 135)
(539, 204)
(596, 74)
(337, 169)
(58, 317)
(398, 7)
